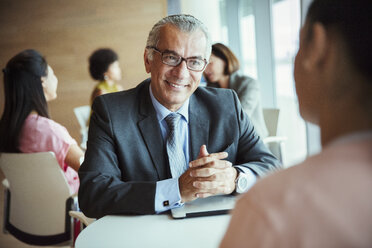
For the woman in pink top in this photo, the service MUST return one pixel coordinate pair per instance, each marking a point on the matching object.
(29, 83)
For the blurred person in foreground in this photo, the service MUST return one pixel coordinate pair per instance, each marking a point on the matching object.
(325, 201)
(168, 141)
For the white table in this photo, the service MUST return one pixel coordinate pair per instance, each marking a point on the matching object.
(154, 231)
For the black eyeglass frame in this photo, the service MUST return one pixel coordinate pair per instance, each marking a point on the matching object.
(181, 59)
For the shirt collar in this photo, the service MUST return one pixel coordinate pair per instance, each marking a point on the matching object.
(162, 112)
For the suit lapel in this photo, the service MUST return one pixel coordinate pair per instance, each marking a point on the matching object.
(151, 133)
(150, 130)
(198, 126)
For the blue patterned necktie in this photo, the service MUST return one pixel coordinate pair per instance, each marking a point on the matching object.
(177, 161)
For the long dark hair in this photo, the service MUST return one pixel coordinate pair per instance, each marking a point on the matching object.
(23, 94)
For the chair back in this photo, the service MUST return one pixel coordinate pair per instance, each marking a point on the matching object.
(38, 198)
(82, 114)
(273, 142)
(271, 116)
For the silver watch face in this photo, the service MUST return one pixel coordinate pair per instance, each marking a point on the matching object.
(243, 183)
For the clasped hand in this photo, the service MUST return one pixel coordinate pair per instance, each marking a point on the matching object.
(208, 175)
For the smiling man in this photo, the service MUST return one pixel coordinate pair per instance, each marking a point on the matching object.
(167, 142)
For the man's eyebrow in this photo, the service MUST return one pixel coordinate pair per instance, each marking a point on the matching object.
(170, 51)
(174, 52)
(196, 57)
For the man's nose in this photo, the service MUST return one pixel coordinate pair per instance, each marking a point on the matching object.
(181, 70)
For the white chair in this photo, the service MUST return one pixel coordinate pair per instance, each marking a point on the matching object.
(37, 199)
(84, 221)
(273, 142)
(82, 114)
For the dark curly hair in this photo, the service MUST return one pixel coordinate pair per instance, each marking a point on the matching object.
(99, 62)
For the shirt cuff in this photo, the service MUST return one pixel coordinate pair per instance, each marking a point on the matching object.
(251, 176)
(167, 195)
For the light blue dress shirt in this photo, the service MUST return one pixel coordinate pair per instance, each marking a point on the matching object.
(168, 190)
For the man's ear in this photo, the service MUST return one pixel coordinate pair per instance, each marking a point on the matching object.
(147, 61)
(317, 48)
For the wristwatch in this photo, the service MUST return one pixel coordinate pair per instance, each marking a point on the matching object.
(241, 183)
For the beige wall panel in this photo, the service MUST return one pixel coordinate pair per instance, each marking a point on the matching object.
(67, 31)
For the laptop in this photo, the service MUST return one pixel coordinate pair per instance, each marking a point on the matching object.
(213, 205)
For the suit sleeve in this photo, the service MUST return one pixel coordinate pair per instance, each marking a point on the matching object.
(102, 188)
(252, 152)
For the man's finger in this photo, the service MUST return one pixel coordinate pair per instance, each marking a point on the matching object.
(203, 172)
(203, 151)
(208, 185)
(203, 195)
(205, 160)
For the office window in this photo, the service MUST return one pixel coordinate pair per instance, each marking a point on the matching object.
(248, 39)
(264, 34)
(286, 22)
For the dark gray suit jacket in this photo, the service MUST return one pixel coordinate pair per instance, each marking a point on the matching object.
(248, 92)
(126, 154)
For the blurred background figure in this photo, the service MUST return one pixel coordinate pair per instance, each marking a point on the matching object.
(104, 67)
(221, 72)
(25, 126)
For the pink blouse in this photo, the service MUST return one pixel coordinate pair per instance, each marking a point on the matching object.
(40, 134)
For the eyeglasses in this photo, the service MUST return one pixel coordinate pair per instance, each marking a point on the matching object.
(173, 59)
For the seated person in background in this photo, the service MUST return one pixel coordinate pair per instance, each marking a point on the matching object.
(104, 67)
(25, 126)
(327, 200)
(222, 72)
(168, 141)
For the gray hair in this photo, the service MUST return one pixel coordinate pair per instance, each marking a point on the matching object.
(185, 23)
